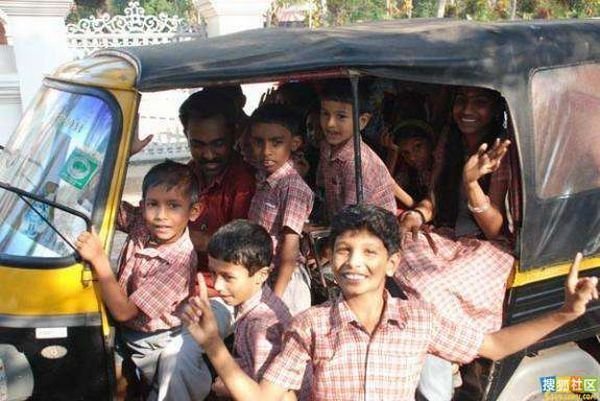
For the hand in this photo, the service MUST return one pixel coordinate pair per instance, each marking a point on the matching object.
(387, 141)
(89, 246)
(484, 161)
(410, 223)
(219, 388)
(199, 318)
(578, 291)
(137, 145)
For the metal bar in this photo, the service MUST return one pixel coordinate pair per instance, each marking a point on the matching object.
(357, 140)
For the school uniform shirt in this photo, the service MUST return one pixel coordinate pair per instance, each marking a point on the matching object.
(281, 200)
(155, 279)
(338, 176)
(350, 364)
(227, 198)
(259, 326)
(465, 278)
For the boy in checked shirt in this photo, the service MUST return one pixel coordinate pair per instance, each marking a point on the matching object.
(156, 267)
(336, 172)
(240, 256)
(367, 345)
(282, 201)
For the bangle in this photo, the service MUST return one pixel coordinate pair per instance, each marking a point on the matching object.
(420, 213)
(480, 209)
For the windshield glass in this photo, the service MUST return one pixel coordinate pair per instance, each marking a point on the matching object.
(56, 152)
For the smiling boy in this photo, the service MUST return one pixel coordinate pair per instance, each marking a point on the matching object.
(156, 267)
(366, 344)
(282, 202)
(336, 171)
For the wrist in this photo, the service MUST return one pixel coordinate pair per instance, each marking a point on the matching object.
(416, 212)
(479, 208)
(565, 315)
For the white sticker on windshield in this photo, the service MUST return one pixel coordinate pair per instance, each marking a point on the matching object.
(50, 332)
(3, 383)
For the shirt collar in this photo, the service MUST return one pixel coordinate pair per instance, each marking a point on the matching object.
(262, 296)
(170, 253)
(286, 169)
(345, 153)
(393, 313)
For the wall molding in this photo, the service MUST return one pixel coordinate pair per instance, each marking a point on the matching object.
(39, 8)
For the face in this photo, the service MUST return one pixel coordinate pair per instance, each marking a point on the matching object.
(336, 122)
(473, 110)
(272, 145)
(416, 152)
(361, 263)
(210, 142)
(233, 282)
(167, 213)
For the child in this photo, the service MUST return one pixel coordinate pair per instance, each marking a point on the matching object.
(411, 144)
(156, 267)
(366, 344)
(283, 201)
(240, 256)
(336, 166)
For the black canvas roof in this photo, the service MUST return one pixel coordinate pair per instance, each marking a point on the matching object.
(448, 50)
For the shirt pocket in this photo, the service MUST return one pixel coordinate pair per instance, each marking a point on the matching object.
(337, 372)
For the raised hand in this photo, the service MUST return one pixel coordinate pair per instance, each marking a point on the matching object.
(138, 144)
(484, 161)
(578, 291)
(387, 140)
(198, 316)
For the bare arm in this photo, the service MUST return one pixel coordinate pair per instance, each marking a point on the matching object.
(507, 341)
(488, 213)
(403, 196)
(201, 323)
(288, 257)
(117, 302)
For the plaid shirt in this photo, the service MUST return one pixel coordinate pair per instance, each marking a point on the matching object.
(155, 279)
(350, 364)
(260, 322)
(339, 178)
(465, 279)
(281, 200)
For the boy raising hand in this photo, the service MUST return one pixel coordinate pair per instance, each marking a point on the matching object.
(366, 344)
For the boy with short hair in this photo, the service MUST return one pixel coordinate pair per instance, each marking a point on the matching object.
(366, 344)
(336, 171)
(156, 267)
(282, 202)
(240, 255)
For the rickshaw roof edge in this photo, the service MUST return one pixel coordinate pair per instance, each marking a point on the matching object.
(416, 49)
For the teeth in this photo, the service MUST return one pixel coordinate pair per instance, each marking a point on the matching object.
(351, 276)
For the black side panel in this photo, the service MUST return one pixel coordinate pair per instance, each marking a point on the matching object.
(82, 374)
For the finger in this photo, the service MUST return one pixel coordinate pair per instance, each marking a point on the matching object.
(482, 149)
(572, 278)
(203, 289)
(147, 140)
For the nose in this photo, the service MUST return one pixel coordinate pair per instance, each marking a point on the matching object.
(218, 283)
(207, 153)
(161, 212)
(329, 122)
(354, 259)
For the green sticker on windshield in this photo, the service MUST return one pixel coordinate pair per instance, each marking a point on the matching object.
(79, 169)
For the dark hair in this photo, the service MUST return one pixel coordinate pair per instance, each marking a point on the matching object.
(172, 174)
(376, 220)
(413, 129)
(208, 104)
(280, 114)
(446, 193)
(340, 90)
(244, 243)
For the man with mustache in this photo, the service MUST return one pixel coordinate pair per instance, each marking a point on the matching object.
(227, 183)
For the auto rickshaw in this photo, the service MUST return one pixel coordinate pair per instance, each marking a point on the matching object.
(64, 168)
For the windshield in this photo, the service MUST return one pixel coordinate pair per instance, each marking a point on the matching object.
(56, 152)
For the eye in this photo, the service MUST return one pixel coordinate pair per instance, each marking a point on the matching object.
(342, 116)
(277, 142)
(370, 252)
(341, 250)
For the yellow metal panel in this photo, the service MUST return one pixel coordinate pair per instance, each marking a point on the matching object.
(104, 72)
(522, 278)
(45, 292)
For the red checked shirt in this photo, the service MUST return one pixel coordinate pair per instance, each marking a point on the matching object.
(155, 279)
(281, 200)
(350, 364)
(260, 322)
(337, 172)
(227, 198)
(465, 278)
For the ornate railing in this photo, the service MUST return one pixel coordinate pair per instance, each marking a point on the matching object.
(134, 28)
